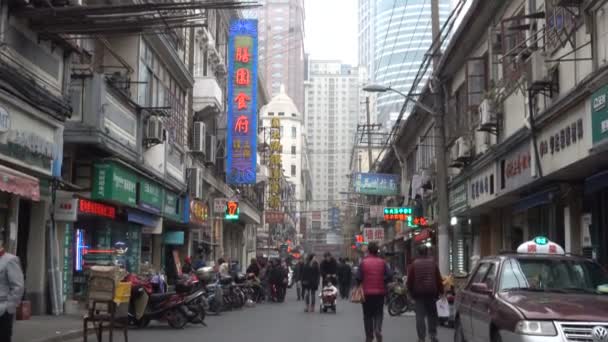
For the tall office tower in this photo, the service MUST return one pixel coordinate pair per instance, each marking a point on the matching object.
(281, 47)
(394, 36)
(333, 109)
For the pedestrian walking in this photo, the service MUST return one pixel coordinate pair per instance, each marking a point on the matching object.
(344, 278)
(424, 283)
(11, 291)
(373, 274)
(297, 278)
(329, 268)
(310, 282)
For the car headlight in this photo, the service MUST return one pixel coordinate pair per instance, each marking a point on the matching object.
(538, 328)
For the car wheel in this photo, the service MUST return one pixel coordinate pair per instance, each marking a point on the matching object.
(458, 334)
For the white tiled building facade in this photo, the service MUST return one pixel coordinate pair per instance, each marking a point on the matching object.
(333, 109)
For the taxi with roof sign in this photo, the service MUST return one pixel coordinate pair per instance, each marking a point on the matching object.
(538, 293)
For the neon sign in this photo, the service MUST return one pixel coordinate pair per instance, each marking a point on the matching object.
(232, 210)
(86, 206)
(398, 214)
(275, 165)
(242, 102)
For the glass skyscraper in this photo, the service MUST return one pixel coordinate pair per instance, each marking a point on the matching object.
(394, 36)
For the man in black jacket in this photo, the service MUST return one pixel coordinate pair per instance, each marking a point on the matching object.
(344, 278)
(329, 267)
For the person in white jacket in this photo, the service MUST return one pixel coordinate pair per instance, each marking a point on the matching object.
(11, 291)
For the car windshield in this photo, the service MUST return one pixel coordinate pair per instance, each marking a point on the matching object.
(553, 275)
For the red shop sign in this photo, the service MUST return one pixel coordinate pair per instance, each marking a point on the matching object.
(423, 235)
(86, 206)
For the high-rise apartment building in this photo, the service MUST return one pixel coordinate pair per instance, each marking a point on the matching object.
(333, 109)
(394, 36)
(281, 47)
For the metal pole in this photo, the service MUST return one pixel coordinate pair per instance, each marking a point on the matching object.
(369, 135)
(440, 154)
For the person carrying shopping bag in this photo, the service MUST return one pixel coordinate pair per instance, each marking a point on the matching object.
(373, 274)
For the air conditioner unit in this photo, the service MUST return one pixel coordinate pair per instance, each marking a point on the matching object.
(211, 145)
(198, 137)
(195, 182)
(155, 132)
(464, 149)
(454, 162)
(487, 114)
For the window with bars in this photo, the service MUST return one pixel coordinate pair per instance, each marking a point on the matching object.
(160, 89)
(477, 84)
(514, 42)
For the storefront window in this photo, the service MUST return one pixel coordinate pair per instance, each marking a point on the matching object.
(104, 243)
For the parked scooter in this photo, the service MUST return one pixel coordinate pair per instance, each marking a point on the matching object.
(145, 305)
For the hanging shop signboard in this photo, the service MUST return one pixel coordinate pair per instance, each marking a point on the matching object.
(199, 212)
(219, 205)
(114, 183)
(275, 165)
(150, 195)
(377, 184)
(373, 234)
(232, 211)
(242, 108)
(66, 208)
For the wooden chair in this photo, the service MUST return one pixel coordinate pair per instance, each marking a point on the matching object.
(103, 313)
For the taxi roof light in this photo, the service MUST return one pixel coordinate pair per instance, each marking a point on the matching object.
(540, 245)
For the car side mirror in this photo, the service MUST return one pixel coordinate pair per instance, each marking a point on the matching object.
(481, 288)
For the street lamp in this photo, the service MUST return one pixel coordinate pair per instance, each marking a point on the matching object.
(377, 88)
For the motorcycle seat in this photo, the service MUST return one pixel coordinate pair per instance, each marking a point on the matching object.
(159, 297)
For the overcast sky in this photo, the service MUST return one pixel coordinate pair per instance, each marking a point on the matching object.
(331, 29)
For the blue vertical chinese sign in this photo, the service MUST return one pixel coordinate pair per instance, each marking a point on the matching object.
(241, 144)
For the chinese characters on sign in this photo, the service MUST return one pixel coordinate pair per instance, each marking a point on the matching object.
(275, 165)
(242, 104)
(398, 214)
(561, 140)
(377, 184)
(404, 214)
(373, 234)
(517, 165)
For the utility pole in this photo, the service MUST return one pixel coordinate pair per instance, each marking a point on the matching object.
(440, 153)
(369, 135)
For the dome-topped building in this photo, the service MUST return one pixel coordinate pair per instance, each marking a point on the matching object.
(293, 135)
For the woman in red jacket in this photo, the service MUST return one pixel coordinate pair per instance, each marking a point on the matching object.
(373, 275)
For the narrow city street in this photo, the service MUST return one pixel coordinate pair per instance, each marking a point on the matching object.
(273, 322)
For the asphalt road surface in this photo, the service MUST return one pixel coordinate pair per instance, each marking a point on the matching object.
(286, 322)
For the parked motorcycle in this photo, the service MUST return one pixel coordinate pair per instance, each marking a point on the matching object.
(399, 302)
(172, 307)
